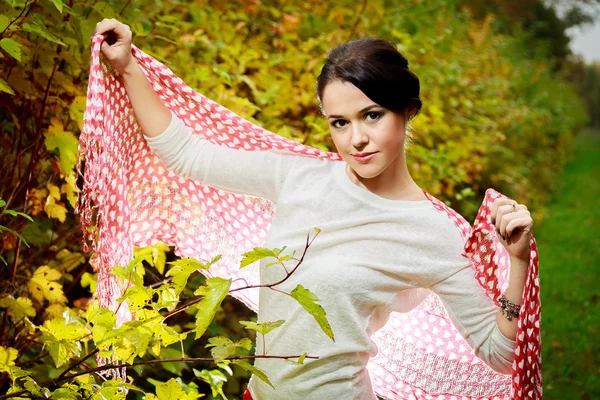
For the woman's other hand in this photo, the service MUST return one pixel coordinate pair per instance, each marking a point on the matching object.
(117, 45)
(513, 225)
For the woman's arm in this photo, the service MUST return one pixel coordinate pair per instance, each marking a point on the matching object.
(475, 315)
(151, 113)
(259, 173)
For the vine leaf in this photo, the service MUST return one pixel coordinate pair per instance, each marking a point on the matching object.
(258, 253)
(214, 292)
(264, 327)
(5, 87)
(300, 360)
(11, 47)
(182, 269)
(171, 390)
(18, 308)
(43, 286)
(63, 338)
(308, 300)
(65, 142)
(259, 373)
(215, 379)
(223, 347)
(8, 355)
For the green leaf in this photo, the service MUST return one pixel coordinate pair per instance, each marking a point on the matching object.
(8, 355)
(15, 213)
(65, 393)
(65, 142)
(103, 321)
(63, 337)
(12, 47)
(18, 308)
(167, 298)
(90, 280)
(168, 335)
(112, 390)
(258, 253)
(299, 361)
(308, 300)
(172, 390)
(3, 228)
(59, 5)
(38, 233)
(182, 269)
(40, 29)
(137, 297)
(223, 347)
(214, 292)
(5, 87)
(4, 21)
(215, 379)
(35, 389)
(264, 327)
(105, 10)
(259, 373)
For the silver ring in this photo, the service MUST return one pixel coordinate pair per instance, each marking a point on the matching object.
(514, 207)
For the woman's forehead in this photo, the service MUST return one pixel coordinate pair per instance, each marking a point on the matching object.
(343, 98)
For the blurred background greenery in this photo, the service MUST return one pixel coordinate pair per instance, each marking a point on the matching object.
(506, 105)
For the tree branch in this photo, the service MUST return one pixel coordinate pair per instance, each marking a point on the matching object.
(269, 285)
(62, 378)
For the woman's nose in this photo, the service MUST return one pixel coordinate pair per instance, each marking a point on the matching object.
(359, 137)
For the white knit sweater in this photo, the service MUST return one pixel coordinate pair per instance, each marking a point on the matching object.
(373, 256)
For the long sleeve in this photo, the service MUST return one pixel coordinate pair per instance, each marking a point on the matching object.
(258, 173)
(474, 315)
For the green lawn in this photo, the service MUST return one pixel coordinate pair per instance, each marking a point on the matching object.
(569, 248)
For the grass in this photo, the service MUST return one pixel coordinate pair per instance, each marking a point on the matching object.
(569, 249)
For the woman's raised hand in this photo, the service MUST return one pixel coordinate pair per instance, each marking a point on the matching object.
(117, 45)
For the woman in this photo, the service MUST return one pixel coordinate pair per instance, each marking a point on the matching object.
(383, 245)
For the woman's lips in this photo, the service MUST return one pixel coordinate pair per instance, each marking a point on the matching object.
(363, 157)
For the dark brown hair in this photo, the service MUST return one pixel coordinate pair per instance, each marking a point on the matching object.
(378, 69)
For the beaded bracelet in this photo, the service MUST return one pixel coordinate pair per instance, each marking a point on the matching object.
(509, 309)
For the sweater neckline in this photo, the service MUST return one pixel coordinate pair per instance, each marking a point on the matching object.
(369, 197)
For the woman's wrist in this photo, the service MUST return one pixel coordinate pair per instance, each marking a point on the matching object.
(130, 68)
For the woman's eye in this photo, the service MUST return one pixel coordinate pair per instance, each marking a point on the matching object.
(374, 114)
(335, 123)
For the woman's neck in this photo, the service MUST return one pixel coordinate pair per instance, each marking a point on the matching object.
(394, 183)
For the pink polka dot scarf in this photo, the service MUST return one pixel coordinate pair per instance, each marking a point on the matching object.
(130, 199)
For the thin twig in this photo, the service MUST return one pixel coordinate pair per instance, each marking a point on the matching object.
(61, 378)
(72, 367)
(268, 285)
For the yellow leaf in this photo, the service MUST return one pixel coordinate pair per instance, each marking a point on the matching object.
(18, 308)
(70, 189)
(55, 210)
(54, 311)
(35, 200)
(43, 286)
(67, 261)
(54, 191)
(7, 357)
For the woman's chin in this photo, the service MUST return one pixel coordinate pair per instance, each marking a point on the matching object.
(365, 171)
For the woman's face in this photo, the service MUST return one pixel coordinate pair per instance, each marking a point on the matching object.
(369, 137)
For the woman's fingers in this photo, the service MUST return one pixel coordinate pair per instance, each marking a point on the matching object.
(524, 223)
(503, 211)
(508, 221)
(121, 31)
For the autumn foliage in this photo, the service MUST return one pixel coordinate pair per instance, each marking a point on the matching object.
(495, 114)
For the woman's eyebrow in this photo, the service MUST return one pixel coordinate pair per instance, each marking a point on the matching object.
(360, 112)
